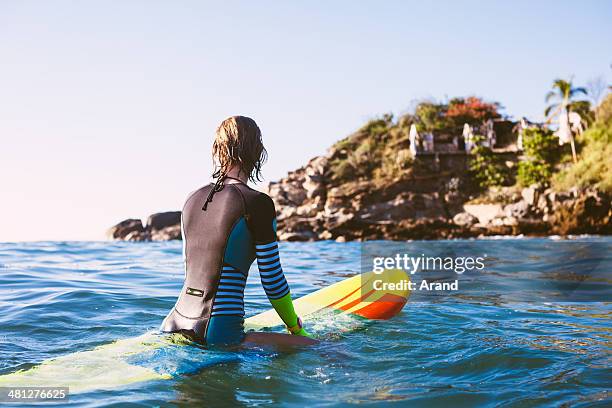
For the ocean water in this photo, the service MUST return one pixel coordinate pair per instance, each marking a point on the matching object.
(531, 329)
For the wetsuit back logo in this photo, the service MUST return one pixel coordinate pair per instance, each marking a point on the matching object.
(195, 292)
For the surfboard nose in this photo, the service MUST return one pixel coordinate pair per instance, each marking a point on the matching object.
(384, 308)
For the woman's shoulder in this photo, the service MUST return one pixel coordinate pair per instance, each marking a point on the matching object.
(197, 192)
(262, 213)
(259, 204)
(258, 200)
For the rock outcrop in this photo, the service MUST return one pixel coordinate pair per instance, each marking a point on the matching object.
(425, 203)
(311, 207)
(359, 191)
(164, 226)
(126, 228)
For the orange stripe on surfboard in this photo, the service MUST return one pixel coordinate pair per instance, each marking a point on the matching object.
(349, 295)
(357, 301)
(384, 308)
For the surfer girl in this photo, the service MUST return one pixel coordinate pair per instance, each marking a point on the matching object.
(226, 226)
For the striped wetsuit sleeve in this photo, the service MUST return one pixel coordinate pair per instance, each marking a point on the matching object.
(263, 224)
(270, 270)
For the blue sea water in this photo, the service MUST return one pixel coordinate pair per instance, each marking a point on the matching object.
(532, 329)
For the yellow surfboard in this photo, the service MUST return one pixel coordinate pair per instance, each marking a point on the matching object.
(369, 295)
(360, 295)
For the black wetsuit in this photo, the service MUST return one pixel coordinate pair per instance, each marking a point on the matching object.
(225, 226)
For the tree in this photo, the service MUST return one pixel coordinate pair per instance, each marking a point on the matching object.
(431, 116)
(563, 95)
(472, 110)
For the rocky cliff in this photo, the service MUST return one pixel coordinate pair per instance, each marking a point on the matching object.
(420, 203)
(423, 203)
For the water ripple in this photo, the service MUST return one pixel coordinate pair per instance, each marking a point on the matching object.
(509, 337)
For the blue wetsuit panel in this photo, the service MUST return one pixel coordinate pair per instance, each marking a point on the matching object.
(240, 249)
(226, 324)
(225, 330)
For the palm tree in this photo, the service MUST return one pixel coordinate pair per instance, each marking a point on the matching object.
(563, 95)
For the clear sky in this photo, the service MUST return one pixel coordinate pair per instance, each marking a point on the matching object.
(108, 108)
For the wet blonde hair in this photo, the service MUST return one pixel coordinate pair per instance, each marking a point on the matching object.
(238, 142)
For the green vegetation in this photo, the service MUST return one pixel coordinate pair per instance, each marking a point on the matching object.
(541, 151)
(487, 169)
(594, 167)
(379, 151)
(564, 96)
(534, 172)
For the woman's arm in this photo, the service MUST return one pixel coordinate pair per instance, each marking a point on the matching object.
(270, 269)
(276, 287)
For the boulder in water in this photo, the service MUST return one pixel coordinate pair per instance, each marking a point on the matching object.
(159, 221)
(124, 228)
(164, 226)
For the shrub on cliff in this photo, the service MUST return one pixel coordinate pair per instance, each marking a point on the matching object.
(394, 164)
(378, 126)
(431, 117)
(534, 172)
(487, 169)
(378, 151)
(541, 151)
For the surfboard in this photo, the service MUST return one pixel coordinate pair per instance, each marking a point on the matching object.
(156, 356)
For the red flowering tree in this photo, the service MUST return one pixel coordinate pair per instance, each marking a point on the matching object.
(472, 110)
